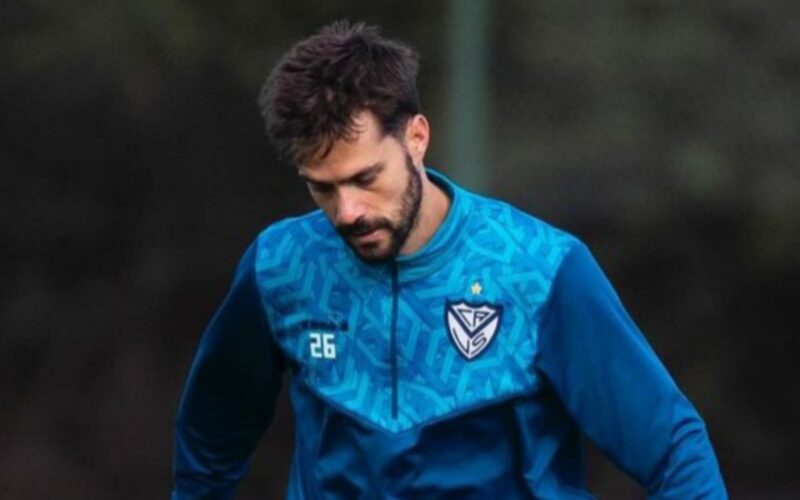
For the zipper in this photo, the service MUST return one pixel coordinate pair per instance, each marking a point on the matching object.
(393, 336)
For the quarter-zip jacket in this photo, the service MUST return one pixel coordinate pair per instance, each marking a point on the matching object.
(469, 369)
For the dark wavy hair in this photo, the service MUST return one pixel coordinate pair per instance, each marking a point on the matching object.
(313, 94)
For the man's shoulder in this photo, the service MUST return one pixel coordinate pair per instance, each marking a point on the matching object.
(295, 237)
(532, 236)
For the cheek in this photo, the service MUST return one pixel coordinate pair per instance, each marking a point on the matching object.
(384, 203)
(387, 194)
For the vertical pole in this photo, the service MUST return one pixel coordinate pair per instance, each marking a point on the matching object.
(467, 106)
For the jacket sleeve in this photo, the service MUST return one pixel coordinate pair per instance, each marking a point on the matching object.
(621, 396)
(229, 396)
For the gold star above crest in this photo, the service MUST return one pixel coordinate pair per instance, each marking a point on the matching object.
(476, 288)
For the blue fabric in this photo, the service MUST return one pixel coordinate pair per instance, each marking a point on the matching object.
(229, 397)
(613, 385)
(500, 340)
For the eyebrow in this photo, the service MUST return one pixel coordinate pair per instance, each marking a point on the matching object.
(373, 169)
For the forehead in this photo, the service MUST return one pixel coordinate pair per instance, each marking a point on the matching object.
(346, 156)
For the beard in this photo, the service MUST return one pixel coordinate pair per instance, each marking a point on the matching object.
(399, 228)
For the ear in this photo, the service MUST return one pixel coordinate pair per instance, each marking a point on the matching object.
(418, 133)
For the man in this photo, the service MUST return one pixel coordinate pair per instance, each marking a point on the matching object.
(440, 344)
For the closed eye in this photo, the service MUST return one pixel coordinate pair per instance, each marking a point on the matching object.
(366, 179)
(368, 176)
(362, 179)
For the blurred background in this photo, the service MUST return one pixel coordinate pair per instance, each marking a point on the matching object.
(134, 171)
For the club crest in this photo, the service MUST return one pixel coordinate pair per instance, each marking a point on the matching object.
(472, 326)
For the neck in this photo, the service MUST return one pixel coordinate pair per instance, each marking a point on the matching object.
(432, 211)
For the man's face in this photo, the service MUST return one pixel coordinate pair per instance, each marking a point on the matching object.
(369, 188)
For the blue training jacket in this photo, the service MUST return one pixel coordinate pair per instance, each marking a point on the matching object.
(468, 369)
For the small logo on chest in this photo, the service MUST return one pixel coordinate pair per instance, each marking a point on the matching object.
(472, 326)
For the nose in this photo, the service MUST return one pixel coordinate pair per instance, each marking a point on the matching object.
(349, 207)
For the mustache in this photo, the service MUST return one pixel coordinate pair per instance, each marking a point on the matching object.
(363, 226)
